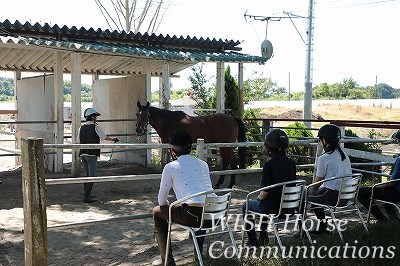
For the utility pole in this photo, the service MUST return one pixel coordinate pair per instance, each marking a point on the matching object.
(289, 86)
(307, 110)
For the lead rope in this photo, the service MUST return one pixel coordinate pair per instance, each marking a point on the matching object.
(128, 142)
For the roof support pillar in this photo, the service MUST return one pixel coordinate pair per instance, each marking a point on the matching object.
(165, 91)
(17, 76)
(147, 66)
(220, 87)
(58, 109)
(241, 90)
(76, 109)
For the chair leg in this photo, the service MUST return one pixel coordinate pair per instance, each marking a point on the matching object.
(336, 224)
(167, 246)
(276, 233)
(233, 243)
(369, 210)
(243, 236)
(362, 219)
(303, 222)
(196, 246)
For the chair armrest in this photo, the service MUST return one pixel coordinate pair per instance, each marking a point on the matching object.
(326, 180)
(177, 202)
(271, 187)
(389, 183)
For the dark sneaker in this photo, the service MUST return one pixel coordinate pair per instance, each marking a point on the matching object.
(321, 230)
(89, 199)
(263, 240)
(253, 243)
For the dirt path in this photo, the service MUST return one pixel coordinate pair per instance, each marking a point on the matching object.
(127, 242)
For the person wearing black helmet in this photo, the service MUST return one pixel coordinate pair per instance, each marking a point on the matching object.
(91, 133)
(186, 175)
(279, 168)
(389, 192)
(332, 163)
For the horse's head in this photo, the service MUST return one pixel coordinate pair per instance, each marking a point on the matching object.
(142, 118)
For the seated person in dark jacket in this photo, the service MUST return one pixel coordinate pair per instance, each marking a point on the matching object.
(279, 168)
(389, 192)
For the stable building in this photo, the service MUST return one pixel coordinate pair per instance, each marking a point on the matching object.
(132, 59)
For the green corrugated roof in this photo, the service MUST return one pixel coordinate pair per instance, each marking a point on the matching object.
(154, 46)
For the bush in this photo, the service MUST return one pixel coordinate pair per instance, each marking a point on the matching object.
(295, 131)
(253, 134)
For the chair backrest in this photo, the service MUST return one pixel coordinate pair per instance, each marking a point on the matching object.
(349, 186)
(292, 193)
(216, 207)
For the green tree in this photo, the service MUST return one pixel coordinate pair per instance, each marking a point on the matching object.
(86, 92)
(6, 89)
(260, 89)
(231, 93)
(203, 96)
(385, 91)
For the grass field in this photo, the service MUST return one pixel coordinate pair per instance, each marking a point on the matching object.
(342, 112)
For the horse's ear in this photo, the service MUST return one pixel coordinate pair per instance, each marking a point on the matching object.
(147, 105)
(138, 104)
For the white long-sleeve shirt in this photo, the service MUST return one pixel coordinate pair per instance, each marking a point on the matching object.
(186, 176)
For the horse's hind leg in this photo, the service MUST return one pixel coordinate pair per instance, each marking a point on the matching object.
(225, 163)
(233, 165)
(227, 156)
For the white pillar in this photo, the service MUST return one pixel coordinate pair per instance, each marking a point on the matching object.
(148, 98)
(220, 87)
(17, 76)
(76, 108)
(165, 90)
(58, 109)
(241, 90)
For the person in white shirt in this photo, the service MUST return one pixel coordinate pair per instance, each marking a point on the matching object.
(186, 175)
(332, 163)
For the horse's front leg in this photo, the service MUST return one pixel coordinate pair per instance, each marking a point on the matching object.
(226, 157)
(233, 164)
(220, 182)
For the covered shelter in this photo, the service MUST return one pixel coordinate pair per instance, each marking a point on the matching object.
(132, 59)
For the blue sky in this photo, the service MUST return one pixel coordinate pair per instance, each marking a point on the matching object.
(353, 38)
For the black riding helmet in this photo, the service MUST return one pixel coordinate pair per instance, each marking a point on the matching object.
(276, 139)
(396, 135)
(330, 133)
(180, 140)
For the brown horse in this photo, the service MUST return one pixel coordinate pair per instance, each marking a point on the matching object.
(215, 128)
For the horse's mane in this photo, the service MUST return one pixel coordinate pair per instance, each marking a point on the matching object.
(166, 114)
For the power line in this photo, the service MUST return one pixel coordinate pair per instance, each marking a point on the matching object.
(354, 5)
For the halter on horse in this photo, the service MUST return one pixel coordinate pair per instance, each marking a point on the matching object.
(215, 128)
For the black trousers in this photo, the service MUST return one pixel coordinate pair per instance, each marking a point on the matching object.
(186, 215)
(323, 196)
(383, 193)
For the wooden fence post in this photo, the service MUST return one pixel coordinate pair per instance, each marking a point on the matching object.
(35, 201)
(200, 149)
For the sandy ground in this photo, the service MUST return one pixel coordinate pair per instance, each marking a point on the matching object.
(126, 242)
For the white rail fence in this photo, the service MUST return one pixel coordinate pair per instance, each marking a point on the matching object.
(34, 182)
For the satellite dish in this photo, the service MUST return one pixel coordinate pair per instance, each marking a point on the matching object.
(266, 49)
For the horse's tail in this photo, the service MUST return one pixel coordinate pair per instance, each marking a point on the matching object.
(241, 138)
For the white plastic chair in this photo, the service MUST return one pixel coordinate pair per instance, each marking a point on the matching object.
(214, 218)
(375, 201)
(292, 192)
(346, 202)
